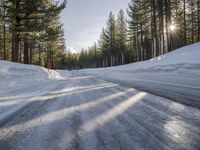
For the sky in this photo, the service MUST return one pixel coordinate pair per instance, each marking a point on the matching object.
(84, 19)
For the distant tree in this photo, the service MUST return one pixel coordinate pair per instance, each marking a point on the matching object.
(121, 37)
(111, 38)
(154, 27)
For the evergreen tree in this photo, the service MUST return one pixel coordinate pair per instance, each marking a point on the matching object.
(111, 39)
(121, 37)
(32, 25)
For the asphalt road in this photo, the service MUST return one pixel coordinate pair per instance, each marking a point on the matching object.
(87, 113)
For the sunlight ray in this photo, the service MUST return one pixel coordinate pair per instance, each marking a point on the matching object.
(112, 113)
(61, 114)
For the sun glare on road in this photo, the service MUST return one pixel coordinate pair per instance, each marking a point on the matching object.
(112, 113)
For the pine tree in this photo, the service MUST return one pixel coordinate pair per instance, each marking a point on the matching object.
(121, 37)
(184, 18)
(139, 27)
(103, 48)
(111, 38)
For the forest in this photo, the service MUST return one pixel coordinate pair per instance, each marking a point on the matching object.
(31, 33)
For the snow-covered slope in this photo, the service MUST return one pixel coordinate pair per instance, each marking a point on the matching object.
(16, 71)
(18, 78)
(13, 72)
(185, 56)
(175, 75)
(19, 83)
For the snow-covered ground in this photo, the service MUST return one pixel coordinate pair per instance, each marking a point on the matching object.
(174, 75)
(41, 109)
(185, 55)
(20, 84)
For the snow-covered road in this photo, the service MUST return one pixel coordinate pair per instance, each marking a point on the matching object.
(99, 109)
(175, 75)
(85, 112)
(180, 87)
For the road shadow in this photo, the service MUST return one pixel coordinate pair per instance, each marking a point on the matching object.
(103, 117)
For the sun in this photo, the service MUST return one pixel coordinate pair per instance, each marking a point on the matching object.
(172, 27)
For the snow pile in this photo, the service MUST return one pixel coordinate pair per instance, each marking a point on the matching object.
(20, 84)
(19, 72)
(13, 72)
(16, 79)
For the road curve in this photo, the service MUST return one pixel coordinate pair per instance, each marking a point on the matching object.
(87, 113)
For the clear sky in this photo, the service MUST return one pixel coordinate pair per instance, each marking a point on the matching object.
(84, 19)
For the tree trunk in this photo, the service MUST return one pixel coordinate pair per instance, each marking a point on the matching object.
(152, 35)
(4, 36)
(161, 26)
(40, 55)
(20, 51)
(15, 49)
(137, 47)
(167, 22)
(111, 61)
(192, 12)
(122, 58)
(142, 45)
(184, 17)
(30, 55)
(26, 51)
(198, 18)
(155, 28)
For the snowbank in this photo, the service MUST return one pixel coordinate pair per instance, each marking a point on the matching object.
(20, 84)
(187, 57)
(17, 79)
(16, 71)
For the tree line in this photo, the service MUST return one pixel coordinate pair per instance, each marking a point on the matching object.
(153, 28)
(31, 32)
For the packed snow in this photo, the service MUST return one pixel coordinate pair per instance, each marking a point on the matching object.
(173, 75)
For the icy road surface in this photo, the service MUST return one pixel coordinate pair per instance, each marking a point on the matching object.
(87, 113)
